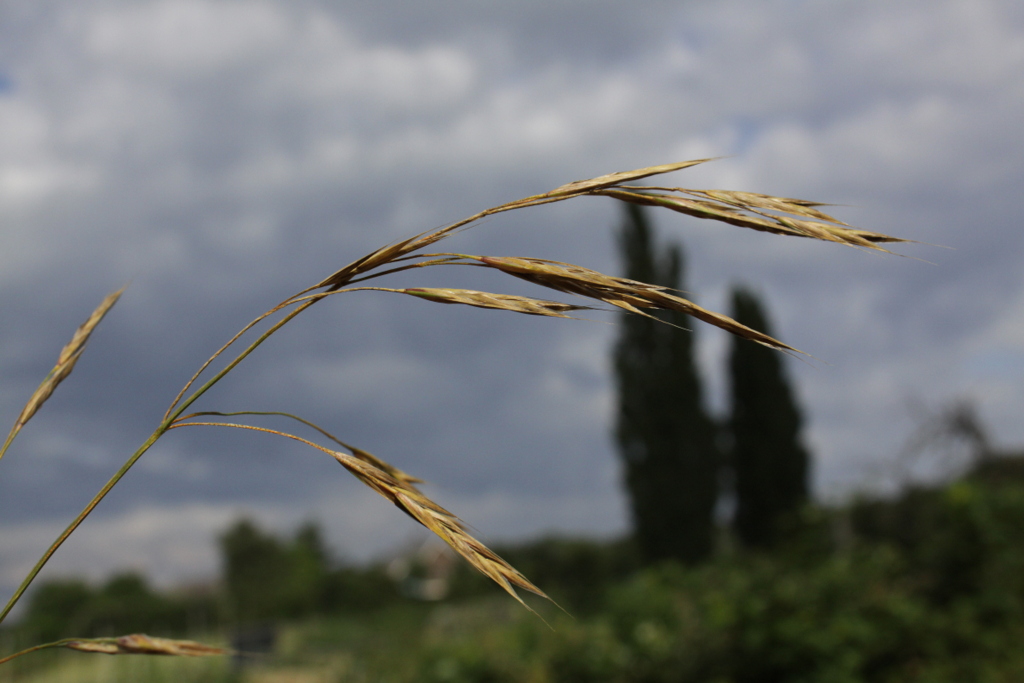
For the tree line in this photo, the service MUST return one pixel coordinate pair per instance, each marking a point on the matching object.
(264, 577)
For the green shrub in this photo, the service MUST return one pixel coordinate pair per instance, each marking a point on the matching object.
(125, 604)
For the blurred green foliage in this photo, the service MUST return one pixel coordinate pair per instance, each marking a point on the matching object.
(267, 578)
(264, 578)
(574, 572)
(925, 587)
(124, 604)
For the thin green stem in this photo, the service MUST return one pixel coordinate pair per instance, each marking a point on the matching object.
(242, 356)
(277, 413)
(321, 295)
(81, 517)
(231, 341)
(423, 264)
(298, 298)
(255, 429)
(157, 433)
(37, 648)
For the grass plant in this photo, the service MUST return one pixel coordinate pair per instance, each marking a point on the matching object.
(776, 215)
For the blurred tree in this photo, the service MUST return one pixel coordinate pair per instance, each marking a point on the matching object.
(55, 609)
(258, 574)
(266, 577)
(125, 604)
(770, 464)
(574, 571)
(950, 440)
(309, 569)
(666, 439)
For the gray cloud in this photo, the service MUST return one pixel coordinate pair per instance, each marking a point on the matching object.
(222, 155)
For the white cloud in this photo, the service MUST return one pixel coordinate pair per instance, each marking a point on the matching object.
(169, 544)
(186, 37)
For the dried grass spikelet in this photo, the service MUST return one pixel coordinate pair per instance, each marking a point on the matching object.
(402, 248)
(592, 185)
(728, 206)
(134, 644)
(141, 644)
(365, 456)
(629, 295)
(743, 209)
(390, 470)
(501, 302)
(400, 488)
(382, 256)
(69, 355)
(444, 524)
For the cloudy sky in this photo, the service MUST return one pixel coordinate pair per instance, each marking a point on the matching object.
(221, 155)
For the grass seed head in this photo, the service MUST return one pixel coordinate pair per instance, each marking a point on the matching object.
(380, 257)
(611, 179)
(66, 361)
(141, 644)
(501, 302)
(441, 522)
(728, 208)
(393, 471)
(629, 295)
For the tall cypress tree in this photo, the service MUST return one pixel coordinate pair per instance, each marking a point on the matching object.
(665, 438)
(770, 464)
